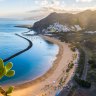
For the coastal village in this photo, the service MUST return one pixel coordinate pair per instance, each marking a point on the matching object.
(57, 27)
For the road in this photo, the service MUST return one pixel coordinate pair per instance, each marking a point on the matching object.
(84, 75)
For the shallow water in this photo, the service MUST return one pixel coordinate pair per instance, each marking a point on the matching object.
(30, 64)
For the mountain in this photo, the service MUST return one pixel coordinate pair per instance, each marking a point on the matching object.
(37, 14)
(44, 11)
(86, 20)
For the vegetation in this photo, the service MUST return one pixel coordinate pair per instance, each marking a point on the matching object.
(92, 75)
(72, 91)
(82, 83)
(73, 48)
(92, 63)
(81, 63)
(61, 81)
(92, 71)
(70, 66)
(5, 70)
(80, 39)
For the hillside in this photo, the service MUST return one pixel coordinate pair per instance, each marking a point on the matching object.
(85, 20)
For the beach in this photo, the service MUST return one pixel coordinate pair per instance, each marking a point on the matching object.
(47, 85)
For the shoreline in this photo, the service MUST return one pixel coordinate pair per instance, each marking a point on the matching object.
(47, 73)
(64, 57)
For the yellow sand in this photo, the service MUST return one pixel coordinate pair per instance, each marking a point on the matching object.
(49, 81)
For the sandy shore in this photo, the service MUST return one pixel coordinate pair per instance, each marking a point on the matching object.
(48, 84)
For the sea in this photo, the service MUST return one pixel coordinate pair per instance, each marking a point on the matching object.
(31, 64)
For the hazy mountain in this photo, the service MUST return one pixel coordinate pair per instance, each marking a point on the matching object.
(37, 13)
(42, 12)
(45, 11)
(86, 20)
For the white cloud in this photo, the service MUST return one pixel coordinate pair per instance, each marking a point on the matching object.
(62, 5)
(48, 2)
(84, 0)
(44, 2)
(56, 2)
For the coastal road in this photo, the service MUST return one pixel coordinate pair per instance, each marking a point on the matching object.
(22, 51)
(84, 75)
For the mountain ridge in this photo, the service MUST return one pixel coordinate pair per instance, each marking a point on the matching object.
(86, 20)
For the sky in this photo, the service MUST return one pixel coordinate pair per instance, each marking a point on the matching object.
(20, 6)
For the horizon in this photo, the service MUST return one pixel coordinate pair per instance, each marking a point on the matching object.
(17, 7)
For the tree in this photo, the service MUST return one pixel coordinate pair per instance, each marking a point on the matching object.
(92, 62)
(5, 70)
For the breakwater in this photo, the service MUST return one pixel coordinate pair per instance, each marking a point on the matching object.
(22, 51)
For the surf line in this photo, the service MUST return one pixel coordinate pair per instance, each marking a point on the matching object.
(20, 52)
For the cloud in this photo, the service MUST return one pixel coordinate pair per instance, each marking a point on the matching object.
(44, 2)
(62, 4)
(84, 1)
(48, 2)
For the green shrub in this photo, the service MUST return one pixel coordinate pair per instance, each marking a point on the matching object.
(82, 83)
(5, 70)
(70, 66)
(81, 62)
(92, 63)
(73, 49)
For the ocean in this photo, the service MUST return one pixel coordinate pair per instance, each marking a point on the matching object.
(31, 64)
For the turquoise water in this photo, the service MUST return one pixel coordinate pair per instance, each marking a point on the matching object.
(30, 64)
